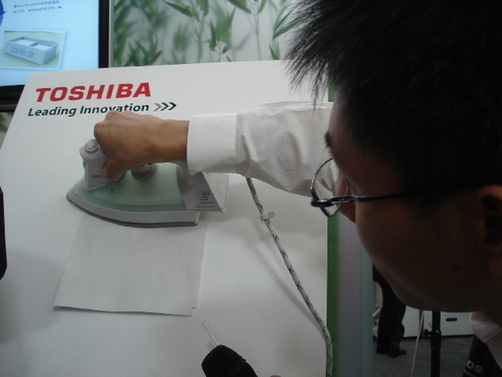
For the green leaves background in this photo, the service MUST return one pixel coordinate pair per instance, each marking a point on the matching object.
(149, 32)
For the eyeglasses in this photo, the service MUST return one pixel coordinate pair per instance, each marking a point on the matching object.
(328, 180)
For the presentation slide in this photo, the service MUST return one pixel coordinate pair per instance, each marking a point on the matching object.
(51, 35)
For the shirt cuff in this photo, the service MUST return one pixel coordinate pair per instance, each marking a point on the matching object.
(211, 143)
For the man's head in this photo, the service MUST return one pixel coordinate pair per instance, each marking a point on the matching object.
(422, 82)
(419, 104)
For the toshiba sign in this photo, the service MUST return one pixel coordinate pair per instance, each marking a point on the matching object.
(121, 97)
(88, 92)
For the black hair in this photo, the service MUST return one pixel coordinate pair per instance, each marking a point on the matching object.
(421, 81)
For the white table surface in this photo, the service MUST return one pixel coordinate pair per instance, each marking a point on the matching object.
(246, 293)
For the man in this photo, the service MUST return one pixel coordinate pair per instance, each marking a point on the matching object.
(416, 133)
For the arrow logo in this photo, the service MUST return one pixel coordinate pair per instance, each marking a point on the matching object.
(165, 106)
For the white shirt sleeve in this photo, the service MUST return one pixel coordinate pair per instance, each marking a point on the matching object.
(281, 144)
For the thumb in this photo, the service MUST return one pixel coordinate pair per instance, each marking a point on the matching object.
(108, 172)
(111, 170)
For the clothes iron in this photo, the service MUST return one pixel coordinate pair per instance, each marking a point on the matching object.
(156, 195)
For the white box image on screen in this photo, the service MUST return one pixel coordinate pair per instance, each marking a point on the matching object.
(35, 50)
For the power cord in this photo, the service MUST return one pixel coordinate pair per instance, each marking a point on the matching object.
(416, 344)
(265, 217)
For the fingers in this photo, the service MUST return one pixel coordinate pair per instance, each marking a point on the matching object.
(131, 140)
(111, 171)
(125, 139)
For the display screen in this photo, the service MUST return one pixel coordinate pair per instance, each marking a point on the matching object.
(50, 35)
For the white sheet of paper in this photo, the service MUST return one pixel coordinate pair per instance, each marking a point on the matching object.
(133, 269)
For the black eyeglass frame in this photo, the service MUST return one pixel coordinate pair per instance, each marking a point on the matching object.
(345, 199)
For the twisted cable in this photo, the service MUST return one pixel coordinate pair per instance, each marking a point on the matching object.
(265, 217)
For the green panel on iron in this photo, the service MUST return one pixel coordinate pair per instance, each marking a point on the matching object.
(161, 193)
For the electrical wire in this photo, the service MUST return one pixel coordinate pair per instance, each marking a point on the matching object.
(416, 344)
(265, 217)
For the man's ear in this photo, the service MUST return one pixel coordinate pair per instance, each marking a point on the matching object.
(491, 203)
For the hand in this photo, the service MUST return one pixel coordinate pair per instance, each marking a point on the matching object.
(132, 140)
